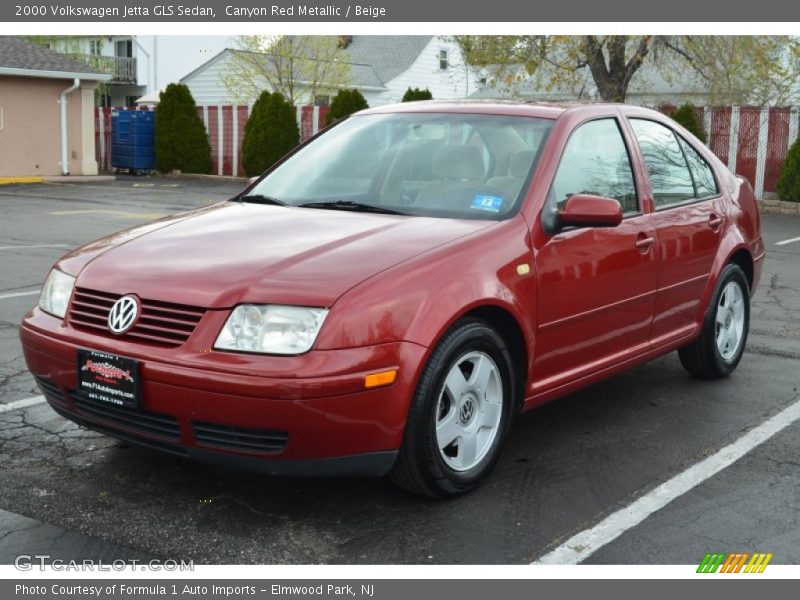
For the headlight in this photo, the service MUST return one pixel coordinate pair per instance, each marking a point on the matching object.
(56, 292)
(271, 329)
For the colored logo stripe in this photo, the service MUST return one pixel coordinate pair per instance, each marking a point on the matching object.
(734, 562)
(710, 563)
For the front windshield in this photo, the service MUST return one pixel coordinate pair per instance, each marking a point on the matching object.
(428, 164)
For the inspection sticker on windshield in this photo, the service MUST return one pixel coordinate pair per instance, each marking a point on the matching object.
(490, 203)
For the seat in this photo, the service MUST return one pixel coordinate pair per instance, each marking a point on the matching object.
(459, 170)
(519, 167)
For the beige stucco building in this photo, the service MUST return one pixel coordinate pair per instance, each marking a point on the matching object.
(36, 139)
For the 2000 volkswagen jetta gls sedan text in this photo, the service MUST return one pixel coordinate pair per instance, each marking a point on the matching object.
(392, 293)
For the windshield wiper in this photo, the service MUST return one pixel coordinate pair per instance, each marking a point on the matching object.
(354, 206)
(261, 199)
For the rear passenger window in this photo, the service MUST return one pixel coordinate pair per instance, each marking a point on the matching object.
(704, 182)
(596, 161)
(669, 174)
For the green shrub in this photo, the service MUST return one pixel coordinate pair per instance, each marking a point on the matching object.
(345, 103)
(789, 181)
(686, 115)
(181, 138)
(270, 133)
(417, 94)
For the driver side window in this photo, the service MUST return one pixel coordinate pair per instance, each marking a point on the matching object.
(596, 161)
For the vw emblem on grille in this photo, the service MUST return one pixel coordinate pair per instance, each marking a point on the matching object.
(123, 314)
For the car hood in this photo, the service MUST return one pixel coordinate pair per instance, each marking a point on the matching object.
(234, 252)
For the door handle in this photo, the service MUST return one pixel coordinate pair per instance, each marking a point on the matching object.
(643, 243)
(714, 221)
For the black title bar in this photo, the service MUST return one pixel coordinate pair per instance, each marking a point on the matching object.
(438, 11)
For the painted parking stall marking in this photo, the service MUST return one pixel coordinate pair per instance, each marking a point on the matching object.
(32, 246)
(19, 294)
(789, 241)
(582, 545)
(4, 408)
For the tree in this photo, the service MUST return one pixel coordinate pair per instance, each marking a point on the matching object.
(733, 69)
(270, 132)
(345, 103)
(181, 138)
(300, 67)
(417, 94)
(686, 115)
(789, 181)
(560, 61)
(740, 70)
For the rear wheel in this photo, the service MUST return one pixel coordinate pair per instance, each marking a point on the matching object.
(460, 413)
(718, 350)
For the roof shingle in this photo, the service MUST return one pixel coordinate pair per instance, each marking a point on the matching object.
(19, 53)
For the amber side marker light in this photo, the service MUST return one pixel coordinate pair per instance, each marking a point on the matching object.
(380, 379)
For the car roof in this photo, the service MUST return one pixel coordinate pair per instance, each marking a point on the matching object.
(545, 110)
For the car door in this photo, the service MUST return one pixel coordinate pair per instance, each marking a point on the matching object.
(596, 285)
(688, 219)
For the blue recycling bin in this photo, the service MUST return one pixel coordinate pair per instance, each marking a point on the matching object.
(133, 137)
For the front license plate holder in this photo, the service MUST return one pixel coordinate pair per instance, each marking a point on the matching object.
(109, 378)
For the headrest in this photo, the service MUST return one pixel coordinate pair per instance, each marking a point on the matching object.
(521, 162)
(458, 162)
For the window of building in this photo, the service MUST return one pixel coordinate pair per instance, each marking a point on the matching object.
(443, 64)
(123, 49)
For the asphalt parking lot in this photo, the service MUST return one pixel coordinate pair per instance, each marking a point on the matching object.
(568, 465)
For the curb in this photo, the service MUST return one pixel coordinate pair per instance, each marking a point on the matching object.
(15, 180)
(778, 207)
(23, 537)
(78, 178)
(201, 176)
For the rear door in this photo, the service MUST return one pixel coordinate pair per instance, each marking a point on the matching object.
(596, 285)
(688, 218)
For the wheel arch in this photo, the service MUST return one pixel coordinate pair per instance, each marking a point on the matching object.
(738, 253)
(509, 326)
(744, 259)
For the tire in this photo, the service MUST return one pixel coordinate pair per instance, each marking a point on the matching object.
(719, 348)
(452, 401)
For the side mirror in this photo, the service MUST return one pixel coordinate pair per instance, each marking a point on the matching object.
(586, 210)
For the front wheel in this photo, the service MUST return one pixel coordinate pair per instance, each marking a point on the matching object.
(460, 413)
(720, 346)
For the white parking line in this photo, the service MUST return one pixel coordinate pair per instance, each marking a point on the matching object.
(33, 246)
(582, 545)
(21, 404)
(789, 241)
(19, 294)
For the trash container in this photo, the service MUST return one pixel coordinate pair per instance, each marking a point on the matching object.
(133, 136)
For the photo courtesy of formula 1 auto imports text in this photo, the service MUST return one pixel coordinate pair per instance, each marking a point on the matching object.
(399, 299)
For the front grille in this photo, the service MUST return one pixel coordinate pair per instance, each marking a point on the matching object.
(238, 438)
(121, 435)
(160, 323)
(51, 391)
(163, 426)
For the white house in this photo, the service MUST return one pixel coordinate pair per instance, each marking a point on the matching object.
(382, 68)
(650, 86)
(139, 64)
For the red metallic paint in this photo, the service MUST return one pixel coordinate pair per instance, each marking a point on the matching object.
(594, 302)
(585, 210)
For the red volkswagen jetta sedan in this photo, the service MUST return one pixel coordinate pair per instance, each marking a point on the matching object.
(390, 295)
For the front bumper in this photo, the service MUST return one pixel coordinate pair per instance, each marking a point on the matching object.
(316, 419)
